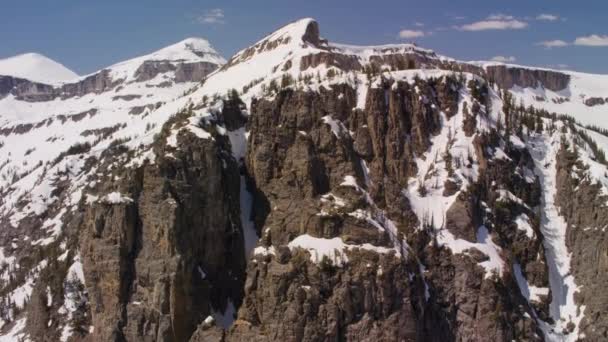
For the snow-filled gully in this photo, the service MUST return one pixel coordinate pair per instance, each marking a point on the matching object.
(563, 309)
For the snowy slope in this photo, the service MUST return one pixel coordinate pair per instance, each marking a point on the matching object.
(35, 134)
(582, 87)
(36, 67)
(258, 61)
(281, 53)
(191, 50)
(36, 137)
(571, 100)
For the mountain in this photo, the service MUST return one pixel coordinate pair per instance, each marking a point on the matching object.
(37, 68)
(188, 51)
(583, 95)
(304, 190)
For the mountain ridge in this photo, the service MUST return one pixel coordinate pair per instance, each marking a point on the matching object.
(188, 50)
(305, 191)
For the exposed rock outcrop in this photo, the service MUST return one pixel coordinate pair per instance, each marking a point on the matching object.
(184, 72)
(595, 101)
(508, 76)
(290, 297)
(168, 251)
(583, 205)
(102, 81)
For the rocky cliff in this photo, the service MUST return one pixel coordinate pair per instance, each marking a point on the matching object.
(509, 76)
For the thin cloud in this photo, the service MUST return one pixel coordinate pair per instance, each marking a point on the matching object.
(409, 34)
(504, 59)
(212, 16)
(553, 43)
(500, 16)
(547, 17)
(495, 22)
(592, 40)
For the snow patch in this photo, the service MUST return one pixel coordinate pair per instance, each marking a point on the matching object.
(116, 197)
(531, 293)
(333, 249)
(494, 264)
(523, 223)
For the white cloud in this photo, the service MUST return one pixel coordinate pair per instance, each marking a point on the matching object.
(212, 16)
(500, 16)
(495, 22)
(418, 24)
(503, 59)
(408, 34)
(592, 40)
(553, 43)
(547, 17)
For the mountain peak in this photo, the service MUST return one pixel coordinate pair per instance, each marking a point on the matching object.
(36, 67)
(189, 50)
(306, 29)
(302, 33)
(199, 47)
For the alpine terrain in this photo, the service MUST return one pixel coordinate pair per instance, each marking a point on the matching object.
(302, 190)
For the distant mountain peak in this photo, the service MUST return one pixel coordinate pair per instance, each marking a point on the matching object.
(199, 47)
(36, 67)
(189, 50)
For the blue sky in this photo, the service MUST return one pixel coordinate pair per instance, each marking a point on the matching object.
(88, 35)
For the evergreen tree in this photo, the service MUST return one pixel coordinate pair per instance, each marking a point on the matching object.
(79, 318)
(508, 103)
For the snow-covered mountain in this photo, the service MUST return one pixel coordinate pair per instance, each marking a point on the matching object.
(39, 123)
(42, 122)
(37, 68)
(582, 95)
(303, 190)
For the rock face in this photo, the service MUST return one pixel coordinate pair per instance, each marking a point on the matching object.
(184, 72)
(507, 77)
(288, 297)
(168, 252)
(309, 159)
(26, 90)
(96, 83)
(581, 199)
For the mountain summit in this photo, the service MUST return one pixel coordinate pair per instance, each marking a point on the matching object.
(190, 50)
